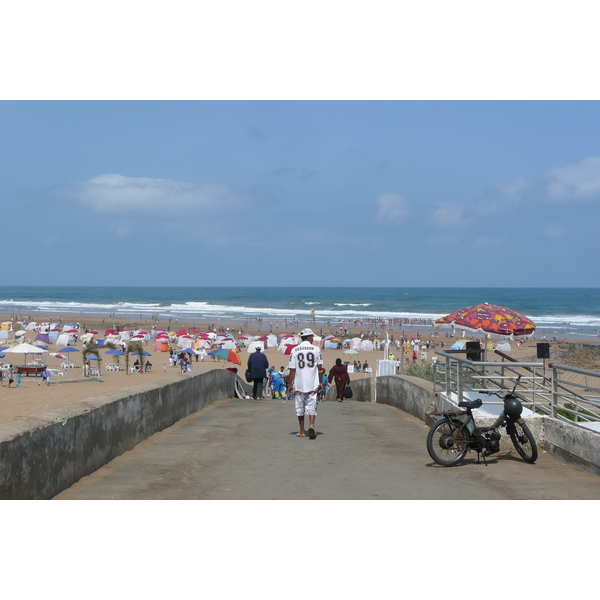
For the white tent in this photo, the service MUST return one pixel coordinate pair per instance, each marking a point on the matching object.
(366, 345)
(64, 339)
(256, 344)
(355, 343)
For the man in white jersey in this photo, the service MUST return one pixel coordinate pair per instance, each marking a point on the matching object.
(305, 364)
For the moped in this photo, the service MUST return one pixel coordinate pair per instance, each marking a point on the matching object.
(455, 433)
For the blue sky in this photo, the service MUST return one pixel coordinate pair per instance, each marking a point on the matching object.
(399, 193)
(452, 171)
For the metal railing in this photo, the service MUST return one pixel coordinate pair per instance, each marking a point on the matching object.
(559, 391)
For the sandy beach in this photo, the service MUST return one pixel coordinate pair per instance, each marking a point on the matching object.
(31, 398)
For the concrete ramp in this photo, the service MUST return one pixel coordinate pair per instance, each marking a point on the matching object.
(248, 450)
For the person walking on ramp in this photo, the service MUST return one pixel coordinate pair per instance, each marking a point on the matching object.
(339, 372)
(258, 365)
(305, 366)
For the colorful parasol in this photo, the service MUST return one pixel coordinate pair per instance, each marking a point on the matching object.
(228, 355)
(488, 318)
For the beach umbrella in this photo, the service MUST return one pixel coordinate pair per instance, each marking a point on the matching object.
(117, 352)
(92, 357)
(25, 349)
(68, 349)
(228, 355)
(490, 319)
(186, 351)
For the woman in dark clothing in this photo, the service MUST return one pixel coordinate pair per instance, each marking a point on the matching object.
(339, 372)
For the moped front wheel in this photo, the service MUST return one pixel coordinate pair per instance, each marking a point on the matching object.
(447, 443)
(524, 442)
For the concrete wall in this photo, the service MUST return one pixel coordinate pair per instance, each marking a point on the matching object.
(410, 394)
(46, 453)
(572, 443)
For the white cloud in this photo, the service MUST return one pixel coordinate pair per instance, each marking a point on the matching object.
(113, 193)
(392, 207)
(575, 182)
(449, 216)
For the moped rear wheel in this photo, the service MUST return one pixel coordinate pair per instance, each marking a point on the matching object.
(524, 442)
(447, 444)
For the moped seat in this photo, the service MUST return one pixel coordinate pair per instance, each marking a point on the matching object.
(471, 403)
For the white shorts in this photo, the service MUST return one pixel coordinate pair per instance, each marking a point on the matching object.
(306, 403)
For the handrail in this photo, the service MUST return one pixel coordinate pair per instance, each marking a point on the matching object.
(553, 395)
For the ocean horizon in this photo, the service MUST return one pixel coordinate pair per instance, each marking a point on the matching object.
(557, 312)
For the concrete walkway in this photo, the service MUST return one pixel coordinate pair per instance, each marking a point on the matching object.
(243, 449)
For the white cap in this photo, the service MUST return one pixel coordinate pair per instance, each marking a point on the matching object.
(306, 332)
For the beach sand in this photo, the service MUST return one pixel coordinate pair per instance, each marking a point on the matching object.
(31, 398)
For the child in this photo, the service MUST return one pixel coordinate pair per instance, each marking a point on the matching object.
(325, 381)
(18, 379)
(276, 384)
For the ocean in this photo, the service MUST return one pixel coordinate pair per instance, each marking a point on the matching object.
(558, 312)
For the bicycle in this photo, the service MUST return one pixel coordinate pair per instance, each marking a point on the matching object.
(451, 437)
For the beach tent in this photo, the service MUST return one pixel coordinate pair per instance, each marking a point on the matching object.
(288, 348)
(161, 346)
(64, 339)
(366, 345)
(185, 342)
(355, 343)
(329, 345)
(42, 337)
(271, 341)
(7, 325)
(256, 344)
(459, 345)
(503, 346)
(31, 326)
(228, 345)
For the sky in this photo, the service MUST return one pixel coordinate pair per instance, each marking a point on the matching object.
(436, 187)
